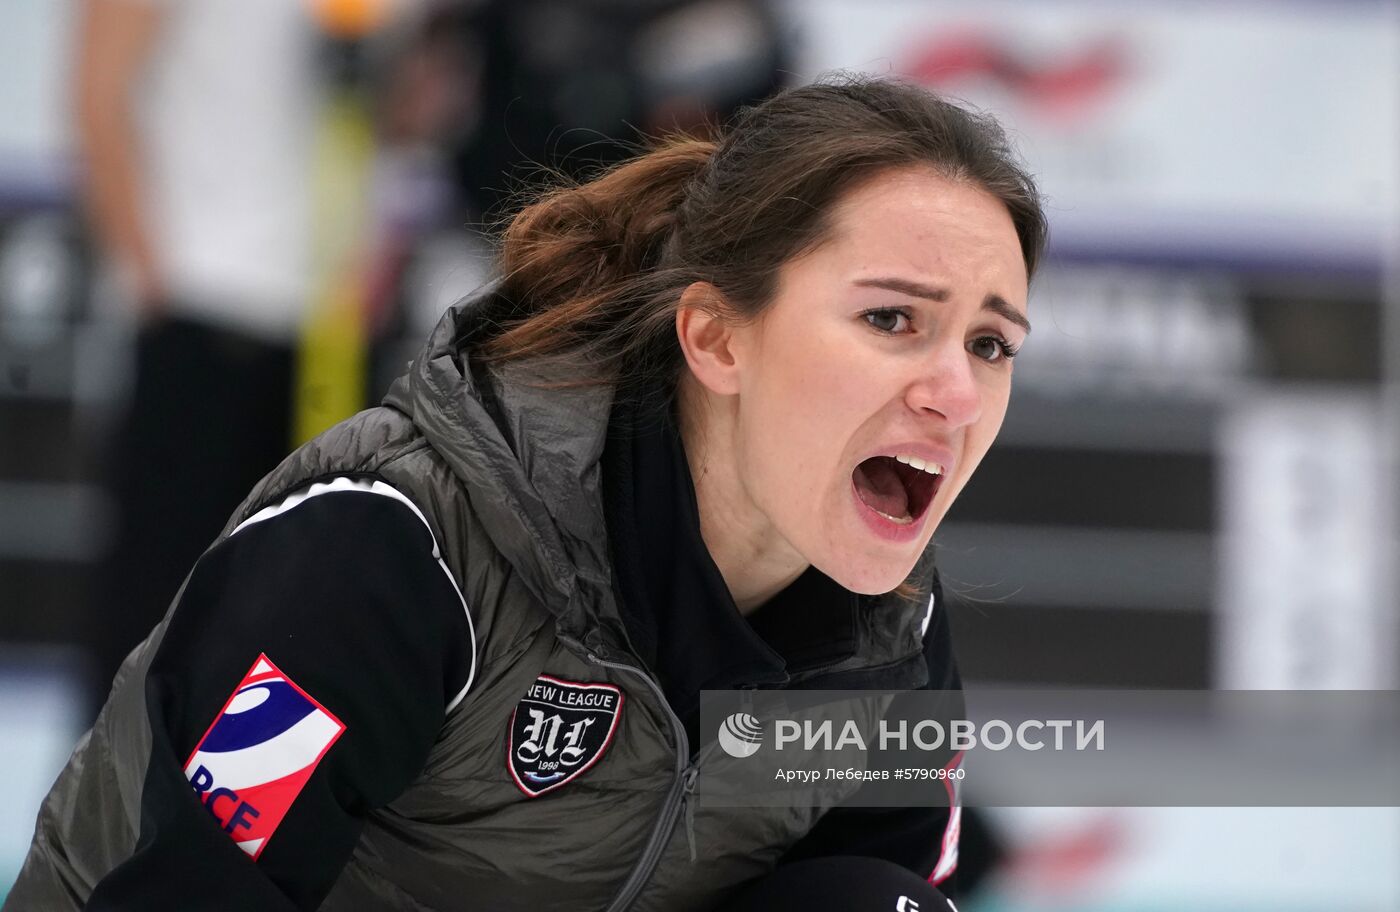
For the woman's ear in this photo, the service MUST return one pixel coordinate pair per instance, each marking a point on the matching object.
(708, 339)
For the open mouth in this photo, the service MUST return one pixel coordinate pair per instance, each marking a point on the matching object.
(897, 489)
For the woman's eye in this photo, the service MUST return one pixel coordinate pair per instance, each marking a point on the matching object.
(888, 320)
(992, 348)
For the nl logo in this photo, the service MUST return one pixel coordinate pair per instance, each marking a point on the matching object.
(258, 754)
(559, 730)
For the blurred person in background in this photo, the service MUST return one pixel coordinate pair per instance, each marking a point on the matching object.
(194, 125)
(698, 436)
(568, 86)
(198, 126)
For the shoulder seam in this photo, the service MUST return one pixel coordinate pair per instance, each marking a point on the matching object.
(362, 485)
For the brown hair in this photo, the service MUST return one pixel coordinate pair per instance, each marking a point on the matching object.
(592, 273)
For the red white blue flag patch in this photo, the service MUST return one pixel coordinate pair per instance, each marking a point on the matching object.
(258, 754)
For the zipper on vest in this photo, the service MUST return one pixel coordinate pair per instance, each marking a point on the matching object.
(688, 806)
(677, 799)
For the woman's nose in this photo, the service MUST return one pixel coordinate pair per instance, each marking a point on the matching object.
(947, 387)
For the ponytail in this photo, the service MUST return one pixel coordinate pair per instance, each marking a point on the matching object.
(579, 260)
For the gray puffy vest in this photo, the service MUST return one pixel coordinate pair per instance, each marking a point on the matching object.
(508, 478)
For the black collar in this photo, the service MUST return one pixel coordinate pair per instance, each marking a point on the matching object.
(678, 612)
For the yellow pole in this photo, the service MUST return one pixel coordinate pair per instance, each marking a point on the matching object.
(332, 356)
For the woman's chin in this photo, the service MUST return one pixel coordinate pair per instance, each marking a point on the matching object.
(865, 563)
(870, 577)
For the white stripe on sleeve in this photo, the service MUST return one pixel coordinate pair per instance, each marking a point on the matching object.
(349, 485)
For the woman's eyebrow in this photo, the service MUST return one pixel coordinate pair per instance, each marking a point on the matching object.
(997, 305)
(994, 302)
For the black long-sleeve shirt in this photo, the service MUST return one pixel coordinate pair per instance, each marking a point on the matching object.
(339, 594)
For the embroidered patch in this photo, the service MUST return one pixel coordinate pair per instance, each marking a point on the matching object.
(558, 730)
(257, 755)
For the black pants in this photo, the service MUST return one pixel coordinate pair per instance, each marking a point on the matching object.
(209, 416)
(842, 884)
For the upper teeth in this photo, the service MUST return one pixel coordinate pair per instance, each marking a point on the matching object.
(932, 468)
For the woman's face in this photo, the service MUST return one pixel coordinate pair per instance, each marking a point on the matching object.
(885, 348)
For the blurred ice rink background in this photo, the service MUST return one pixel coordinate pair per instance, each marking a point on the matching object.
(1195, 486)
